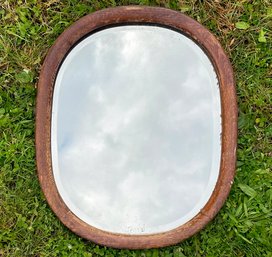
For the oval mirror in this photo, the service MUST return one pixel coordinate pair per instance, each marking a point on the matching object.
(136, 127)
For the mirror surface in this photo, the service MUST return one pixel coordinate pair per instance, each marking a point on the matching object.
(135, 132)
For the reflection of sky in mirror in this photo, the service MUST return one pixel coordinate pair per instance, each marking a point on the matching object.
(136, 129)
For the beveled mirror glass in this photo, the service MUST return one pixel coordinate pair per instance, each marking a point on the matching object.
(137, 129)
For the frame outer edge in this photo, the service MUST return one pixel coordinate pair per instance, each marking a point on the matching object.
(52, 62)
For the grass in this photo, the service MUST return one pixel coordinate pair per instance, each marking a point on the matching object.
(29, 228)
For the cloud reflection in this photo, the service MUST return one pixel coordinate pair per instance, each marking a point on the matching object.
(136, 129)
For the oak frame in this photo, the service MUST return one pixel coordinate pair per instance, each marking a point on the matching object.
(123, 16)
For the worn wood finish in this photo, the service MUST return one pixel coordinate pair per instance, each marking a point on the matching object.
(136, 15)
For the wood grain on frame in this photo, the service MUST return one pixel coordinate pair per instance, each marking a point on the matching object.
(116, 17)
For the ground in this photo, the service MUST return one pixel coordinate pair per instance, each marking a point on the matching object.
(28, 227)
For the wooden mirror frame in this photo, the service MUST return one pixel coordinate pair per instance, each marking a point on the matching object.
(146, 16)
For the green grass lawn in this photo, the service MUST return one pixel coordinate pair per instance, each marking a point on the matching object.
(28, 227)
